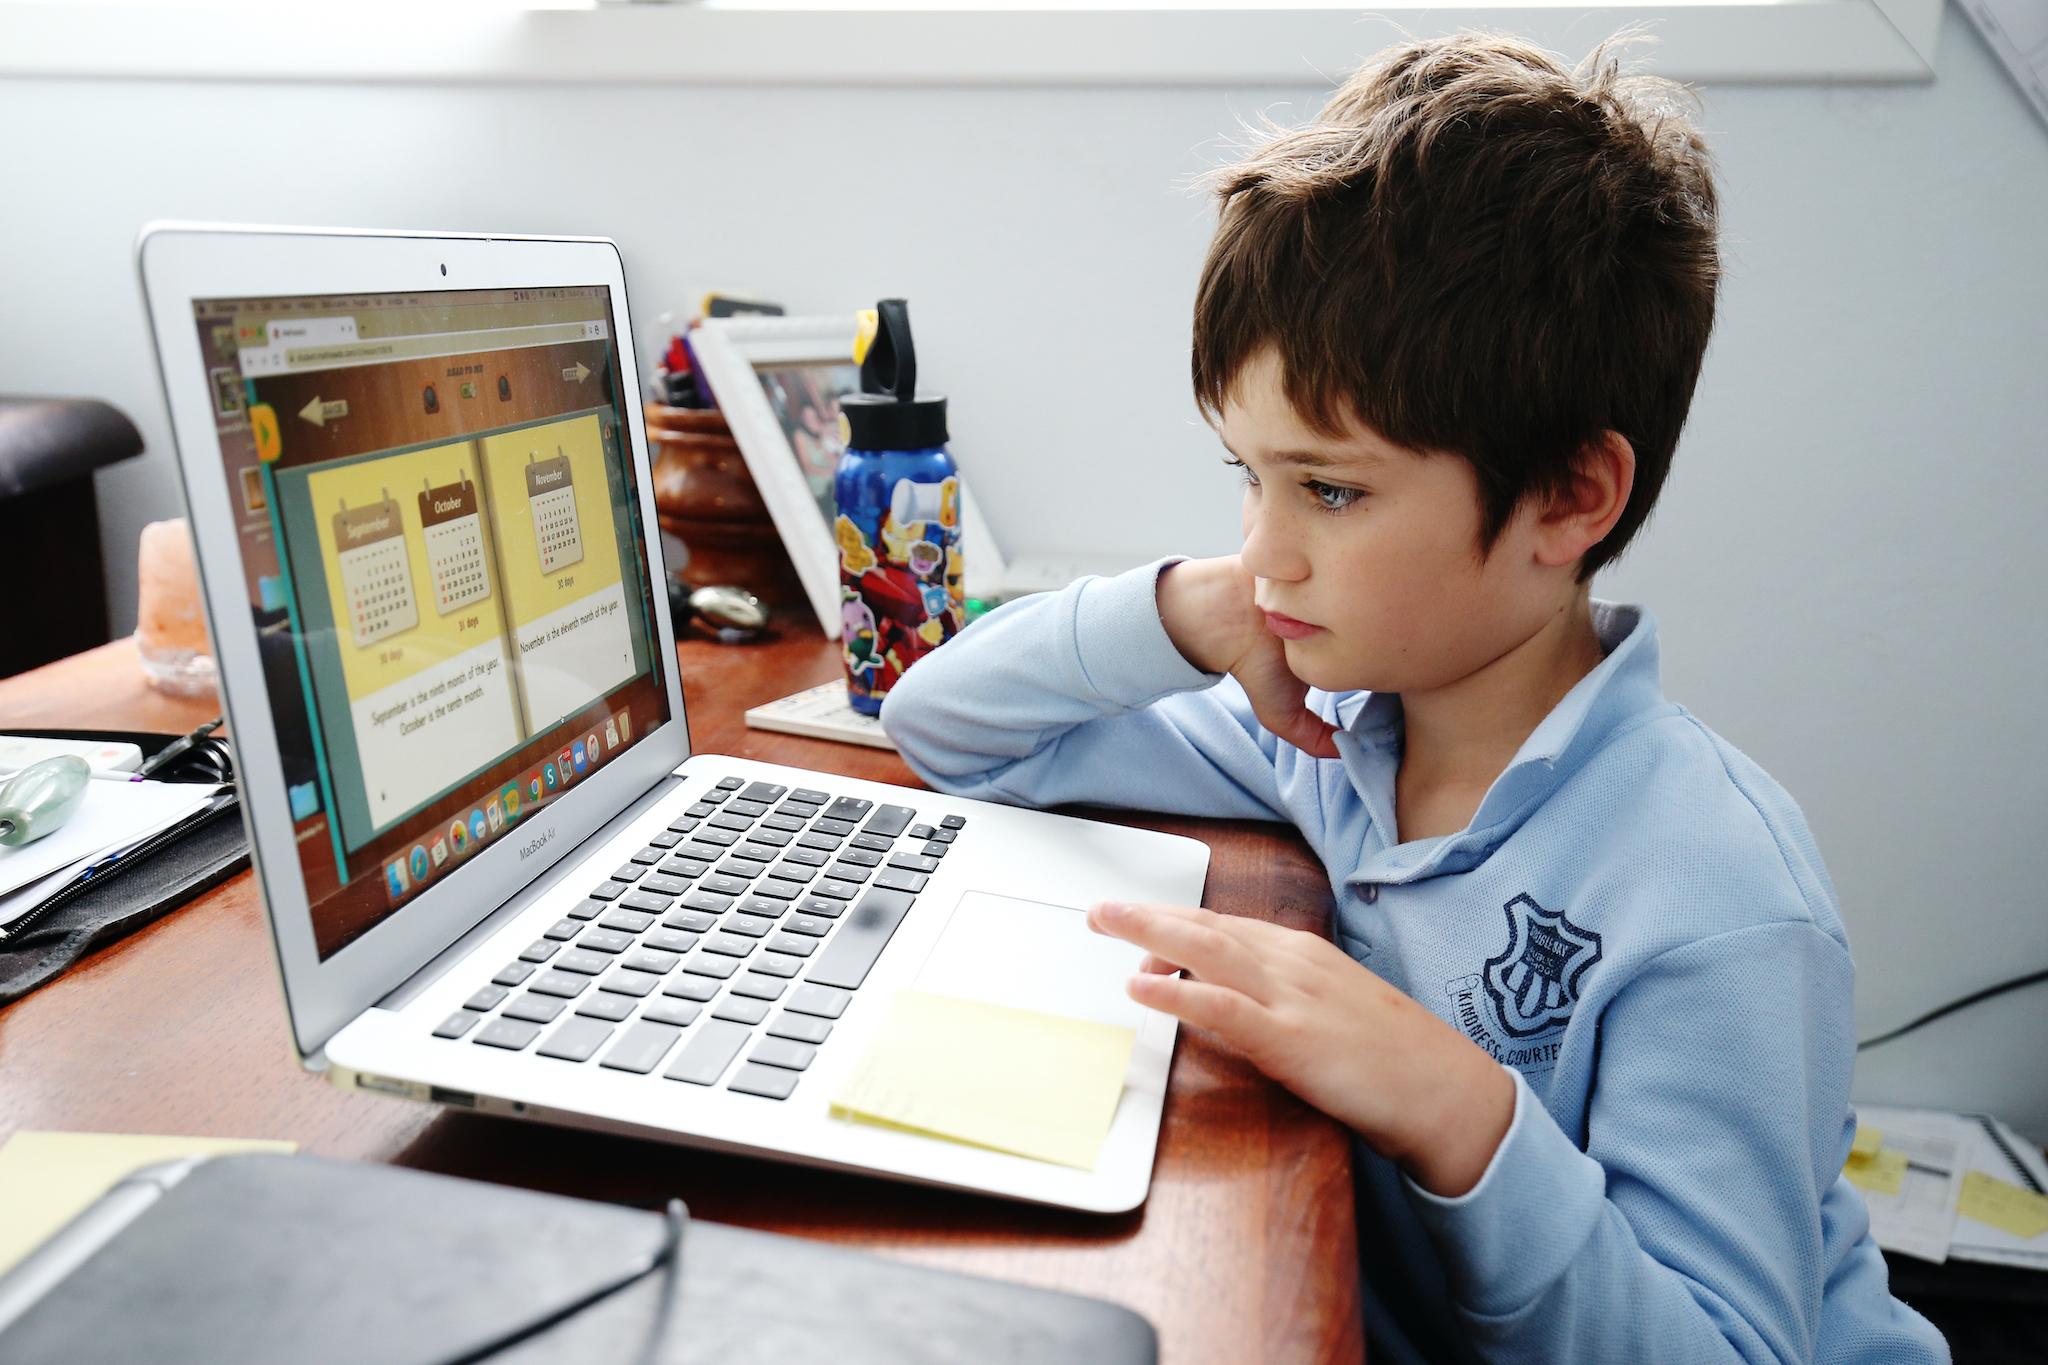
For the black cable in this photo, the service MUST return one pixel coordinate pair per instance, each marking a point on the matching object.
(669, 1254)
(671, 1285)
(1952, 1006)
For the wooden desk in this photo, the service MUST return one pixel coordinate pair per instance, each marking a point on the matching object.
(1246, 1251)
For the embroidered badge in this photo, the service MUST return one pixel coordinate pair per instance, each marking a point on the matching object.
(1534, 981)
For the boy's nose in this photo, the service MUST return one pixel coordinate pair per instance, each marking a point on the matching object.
(1271, 549)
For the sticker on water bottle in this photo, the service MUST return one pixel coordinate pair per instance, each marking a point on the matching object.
(901, 592)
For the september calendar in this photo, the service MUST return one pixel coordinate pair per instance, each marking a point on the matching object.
(376, 571)
(455, 545)
(551, 492)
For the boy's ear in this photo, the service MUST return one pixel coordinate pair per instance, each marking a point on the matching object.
(1580, 515)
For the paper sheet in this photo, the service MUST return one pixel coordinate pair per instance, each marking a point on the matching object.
(1928, 1152)
(47, 1179)
(1877, 1173)
(1037, 1085)
(111, 815)
(1960, 1194)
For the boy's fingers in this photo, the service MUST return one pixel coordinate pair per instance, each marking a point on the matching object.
(1279, 700)
(1311, 734)
(1158, 965)
(1253, 932)
(1230, 1015)
(1200, 941)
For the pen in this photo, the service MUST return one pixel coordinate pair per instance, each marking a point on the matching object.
(174, 748)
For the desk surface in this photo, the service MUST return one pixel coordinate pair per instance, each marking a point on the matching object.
(1245, 1251)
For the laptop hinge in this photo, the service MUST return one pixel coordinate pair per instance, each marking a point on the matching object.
(571, 862)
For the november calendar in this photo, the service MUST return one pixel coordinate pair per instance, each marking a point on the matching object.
(455, 545)
(552, 494)
(376, 570)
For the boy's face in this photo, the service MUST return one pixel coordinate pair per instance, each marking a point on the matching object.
(1376, 548)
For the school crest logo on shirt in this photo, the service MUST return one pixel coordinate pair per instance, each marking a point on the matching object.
(1534, 981)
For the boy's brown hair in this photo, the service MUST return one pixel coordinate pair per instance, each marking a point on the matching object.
(1475, 250)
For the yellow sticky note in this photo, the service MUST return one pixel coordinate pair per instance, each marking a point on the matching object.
(2004, 1205)
(1867, 1141)
(47, 1179)
(1883, 1173)
(1037, 1085)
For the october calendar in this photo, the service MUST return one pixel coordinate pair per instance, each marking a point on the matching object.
(455, 545)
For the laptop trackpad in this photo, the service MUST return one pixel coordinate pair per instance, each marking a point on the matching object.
(1033, 956)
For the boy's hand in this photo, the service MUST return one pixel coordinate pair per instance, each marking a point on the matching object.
(1208, 609)
(1418, 1091)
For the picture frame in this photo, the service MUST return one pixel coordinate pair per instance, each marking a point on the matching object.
(777, 380)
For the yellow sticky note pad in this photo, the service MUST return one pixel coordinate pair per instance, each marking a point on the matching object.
(47, 1179)
(1866, 1142)
(2004, 1205)
(1882, 1173)
(1036, 1085)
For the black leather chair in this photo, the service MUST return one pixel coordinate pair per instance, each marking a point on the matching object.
(53, 587)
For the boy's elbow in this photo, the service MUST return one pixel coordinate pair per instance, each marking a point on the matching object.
(935, 742)
(908, 718)
(899, 713)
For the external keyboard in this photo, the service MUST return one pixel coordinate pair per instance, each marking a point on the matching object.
(752, 919)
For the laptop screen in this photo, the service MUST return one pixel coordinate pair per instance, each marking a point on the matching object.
(442, 545)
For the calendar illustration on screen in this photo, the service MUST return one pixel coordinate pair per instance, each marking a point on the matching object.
(455, 545)
(552, 494)
(376, 570)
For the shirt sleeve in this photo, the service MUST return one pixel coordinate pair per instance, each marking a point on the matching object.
(1080, 696)
(1690, 1228)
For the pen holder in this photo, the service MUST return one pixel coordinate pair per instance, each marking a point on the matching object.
(706, 498)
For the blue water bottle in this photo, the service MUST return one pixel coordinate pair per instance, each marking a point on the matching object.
(898, 527)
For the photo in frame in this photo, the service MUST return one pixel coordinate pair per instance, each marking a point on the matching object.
(778, 381)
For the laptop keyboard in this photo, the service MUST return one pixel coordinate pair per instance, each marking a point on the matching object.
(744, 928)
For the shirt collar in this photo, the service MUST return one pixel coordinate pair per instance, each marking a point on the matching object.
(1624, 684)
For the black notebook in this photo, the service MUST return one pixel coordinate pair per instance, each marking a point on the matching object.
(264, 1258)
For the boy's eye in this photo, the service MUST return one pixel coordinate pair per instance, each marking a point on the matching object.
(1251, 479)
(1330, 497)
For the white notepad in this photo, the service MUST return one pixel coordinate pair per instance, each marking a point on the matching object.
(113, 814)
(821, 712)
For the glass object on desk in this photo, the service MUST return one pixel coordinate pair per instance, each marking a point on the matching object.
(170, 622)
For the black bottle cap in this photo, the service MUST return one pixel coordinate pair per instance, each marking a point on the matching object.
(887, 414)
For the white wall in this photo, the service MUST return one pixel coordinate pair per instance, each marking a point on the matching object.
(1847, 563)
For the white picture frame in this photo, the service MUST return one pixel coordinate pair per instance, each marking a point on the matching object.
(737, 357)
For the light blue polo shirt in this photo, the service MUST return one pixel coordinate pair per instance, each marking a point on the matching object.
(1635, 922)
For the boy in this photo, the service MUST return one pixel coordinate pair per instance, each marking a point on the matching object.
(1588, 1009)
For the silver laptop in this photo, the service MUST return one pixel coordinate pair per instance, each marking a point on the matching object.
(496, 874)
